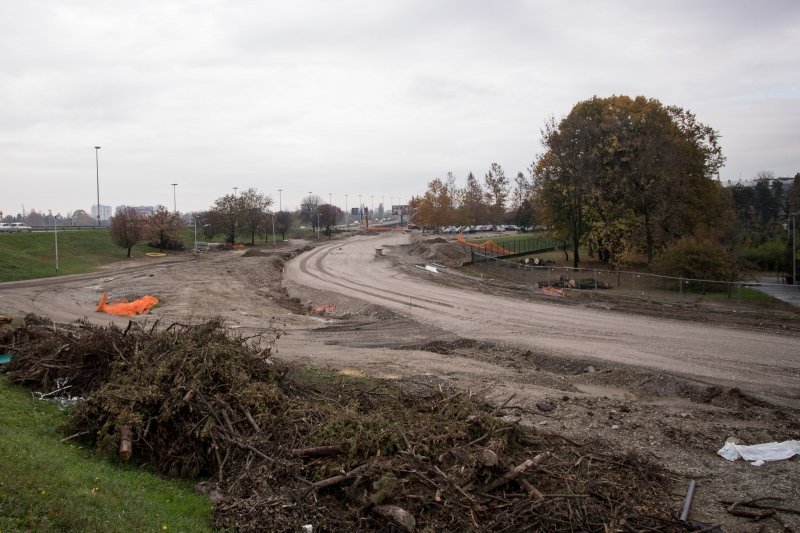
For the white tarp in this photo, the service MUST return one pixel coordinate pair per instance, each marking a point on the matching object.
(761, 453)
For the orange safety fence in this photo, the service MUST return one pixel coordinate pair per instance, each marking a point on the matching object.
(488, 245)
(125, 308)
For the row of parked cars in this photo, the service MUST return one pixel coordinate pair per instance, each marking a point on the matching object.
(14, 227)
(476, 229)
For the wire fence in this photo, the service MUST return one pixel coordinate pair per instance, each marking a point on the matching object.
(555, 279)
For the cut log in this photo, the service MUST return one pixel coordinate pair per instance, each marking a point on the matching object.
(515, 472)
(125, 444)
(399, 516)
(318, 451)
(335, 480)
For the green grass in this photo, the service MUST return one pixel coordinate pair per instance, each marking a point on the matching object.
(522, 243)
(46, 485)
(744, 295)
(32, 255)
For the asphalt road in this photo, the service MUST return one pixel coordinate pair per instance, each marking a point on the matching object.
(762, 363)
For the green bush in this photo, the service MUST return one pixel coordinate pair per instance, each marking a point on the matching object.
(695, 258)
(767, 256)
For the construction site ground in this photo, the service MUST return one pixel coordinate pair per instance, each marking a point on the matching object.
(672, 381)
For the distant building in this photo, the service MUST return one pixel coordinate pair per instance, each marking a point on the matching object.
(141, 210)
(105, 212)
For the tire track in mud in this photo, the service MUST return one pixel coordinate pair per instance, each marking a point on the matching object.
(322, 252)
(753, 360)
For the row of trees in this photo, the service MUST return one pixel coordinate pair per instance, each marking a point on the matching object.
(624, 177)
(764, 204)
(446, 204)
(233, 215)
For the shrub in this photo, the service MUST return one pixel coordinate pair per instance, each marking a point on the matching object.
(696, 258)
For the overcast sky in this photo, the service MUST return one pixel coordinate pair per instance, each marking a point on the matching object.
(370, 97)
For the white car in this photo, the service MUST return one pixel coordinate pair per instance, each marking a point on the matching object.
(19, 227)
(5, 227)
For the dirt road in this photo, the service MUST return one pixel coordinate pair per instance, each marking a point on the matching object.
(764, 364)
(665, 387)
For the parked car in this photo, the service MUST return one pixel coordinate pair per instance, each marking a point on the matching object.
(5, 227)
(19, 227)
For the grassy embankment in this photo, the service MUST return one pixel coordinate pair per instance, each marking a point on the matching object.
(33, 255)
(47, 485)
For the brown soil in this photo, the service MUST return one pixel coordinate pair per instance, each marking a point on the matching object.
(669, 381)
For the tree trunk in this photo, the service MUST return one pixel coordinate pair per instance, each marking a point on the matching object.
(129, 250)
(648, 232)
(575, 246)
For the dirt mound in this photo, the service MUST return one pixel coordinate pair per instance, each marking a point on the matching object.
(254, 253)
(439, 250)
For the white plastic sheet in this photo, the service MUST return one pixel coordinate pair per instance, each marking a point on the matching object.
(760, 453)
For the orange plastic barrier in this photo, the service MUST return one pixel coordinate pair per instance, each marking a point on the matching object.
(488, 245)
(552, 291)
(124, 308)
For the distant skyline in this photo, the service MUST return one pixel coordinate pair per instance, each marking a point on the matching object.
(370, 98)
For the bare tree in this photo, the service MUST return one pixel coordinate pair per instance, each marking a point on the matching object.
(328, 216)
(283, 223)
(126, 228)
(162, 228)
(308, 209)
(253, 206)
(496, 192)
(226, 212)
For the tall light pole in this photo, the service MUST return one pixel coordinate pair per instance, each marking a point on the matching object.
(346, 216)
(272, 216)
(794, 248)
(310, 214)
(97, 167)
(55, 236)
(280, 204)
(174, 202)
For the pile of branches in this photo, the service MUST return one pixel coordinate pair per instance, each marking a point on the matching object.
(284, 447)
(357, 457)
(170, 397)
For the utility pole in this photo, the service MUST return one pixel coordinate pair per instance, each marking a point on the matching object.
(97, 167)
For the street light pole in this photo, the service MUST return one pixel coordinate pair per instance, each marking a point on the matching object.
(794, 248)
(55, 235)
(97, 167)
(273, 229)
(346, 216)
(310, 214)
(280, 203)
(174, 202)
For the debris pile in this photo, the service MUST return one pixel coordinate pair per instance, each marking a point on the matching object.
(283, 447)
